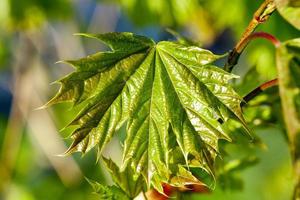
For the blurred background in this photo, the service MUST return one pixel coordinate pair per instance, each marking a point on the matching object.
(35, 34)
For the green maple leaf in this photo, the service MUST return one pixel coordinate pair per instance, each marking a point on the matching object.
(173, 101)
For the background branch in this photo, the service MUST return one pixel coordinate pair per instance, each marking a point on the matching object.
(260, 16)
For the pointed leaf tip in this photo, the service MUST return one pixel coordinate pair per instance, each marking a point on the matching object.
(122, 41)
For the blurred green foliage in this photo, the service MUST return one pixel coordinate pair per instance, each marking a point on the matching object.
(32, 13)
(201, 20)
(166, 13)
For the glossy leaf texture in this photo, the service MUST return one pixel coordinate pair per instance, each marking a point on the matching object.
(288, 66)
(173, 101)
(290, 11)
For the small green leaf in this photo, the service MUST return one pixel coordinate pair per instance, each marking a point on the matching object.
(290, 11)
(128, 180)
(108, 192)
(170, 96)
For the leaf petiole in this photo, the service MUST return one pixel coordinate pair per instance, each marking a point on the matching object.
(251, 95)
(260, 16)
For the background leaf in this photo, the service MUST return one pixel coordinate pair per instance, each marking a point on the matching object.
(290, 10)
(288, 66)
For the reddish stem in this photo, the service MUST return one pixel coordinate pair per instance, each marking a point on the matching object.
(269, 84)
(263, 35)
(251, 95)
(260, 16)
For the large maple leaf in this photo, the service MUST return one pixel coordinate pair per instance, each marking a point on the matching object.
(171, 98)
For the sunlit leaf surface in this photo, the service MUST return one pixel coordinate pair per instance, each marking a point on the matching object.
(172, 100)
